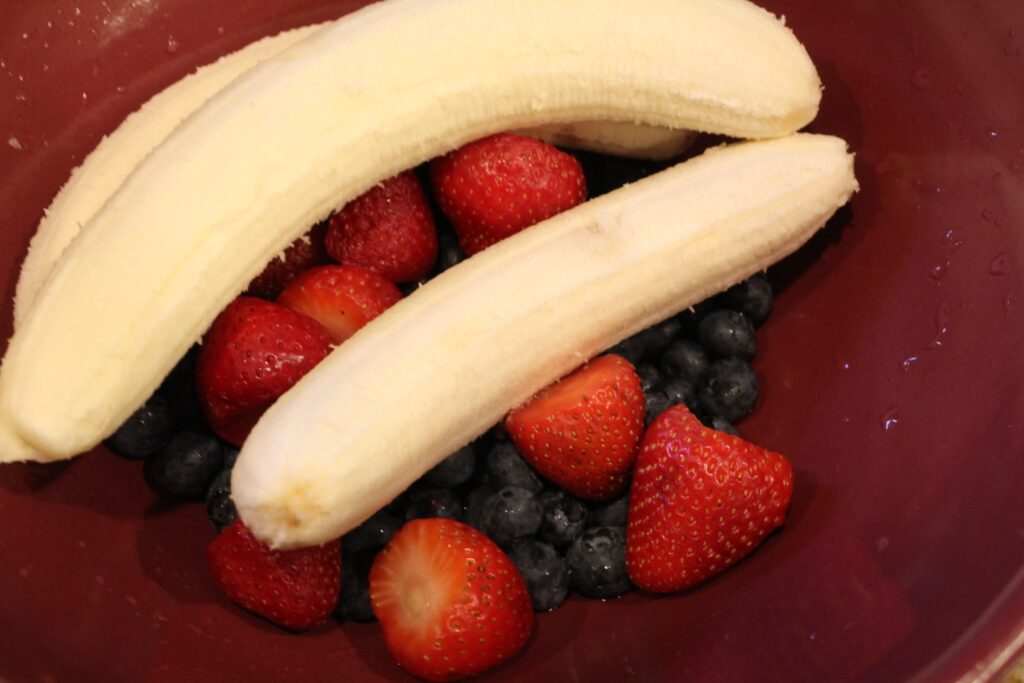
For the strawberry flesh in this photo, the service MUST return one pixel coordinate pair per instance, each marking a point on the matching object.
(700, 501)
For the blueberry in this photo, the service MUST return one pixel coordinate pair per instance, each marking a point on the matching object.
(146, 431)
(220, 509)
(511, 514)
(680, 391)
(475, 501)
(721, 425)
(655, 403)
(230, 455)
(545, 572)
(434, 503)
(354, 596)
(684, 359)
(179, 388)
(564, 519)
(454, 470)
(657, 337)
(751, 297)
(650, 377)
(728, 389)
(373, 533)
(597, 562)
(505, 467)
(632, 348)
(611, 513)
(498, 432)
(728, 334)
(185, 466)
(448, 251)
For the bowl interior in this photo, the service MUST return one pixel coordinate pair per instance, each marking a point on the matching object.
(890, 373)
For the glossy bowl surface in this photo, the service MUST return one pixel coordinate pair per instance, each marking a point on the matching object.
(891, 371)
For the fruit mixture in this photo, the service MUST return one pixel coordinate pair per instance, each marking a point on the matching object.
(627, 473)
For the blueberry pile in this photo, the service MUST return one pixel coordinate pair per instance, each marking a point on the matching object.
(559, 543)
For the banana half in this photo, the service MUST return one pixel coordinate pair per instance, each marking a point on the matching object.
(303, 132)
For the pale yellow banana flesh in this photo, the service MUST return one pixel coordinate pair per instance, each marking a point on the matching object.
(443, 365)
(326, 119)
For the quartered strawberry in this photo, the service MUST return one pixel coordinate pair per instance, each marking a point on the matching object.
(254, 352)
(495, 187)
(700, 501)
(304, 253)
(582, 432)
(450, 602)
(293, 588)
(389, 230)
(341, 298)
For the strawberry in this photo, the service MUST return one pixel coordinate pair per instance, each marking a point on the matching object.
(303, 254)
(254, 352)
(495, 187)
(341, 298)
(700, 501)
(450, 602)
(297, 589)
(583, 431)
(389, 230)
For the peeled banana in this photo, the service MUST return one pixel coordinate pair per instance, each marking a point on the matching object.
(365, 97)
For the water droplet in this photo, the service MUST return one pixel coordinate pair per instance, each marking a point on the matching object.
(844, 365)
(988, 215)
(908, 361)
(890, 418)
(999, 265)
(220, 30)
(992, 132)
(939, 269)
(921, 79)
(942, 320)
(881, 543)
(14, 143)
(121, 89)
(172, 45)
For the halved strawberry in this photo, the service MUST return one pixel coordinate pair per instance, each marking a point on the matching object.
(388, 229)
(700, 501)
(341, 298)
(294, 588)
(254, 352)
(495, 187)
(304, 253)
(583, 431)
(450, 602)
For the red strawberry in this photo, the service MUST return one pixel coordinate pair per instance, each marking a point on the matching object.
(451, 603)
(495, 187)
(583, 432)
(341, 298)
(293, 588)
(700, 501)
(303, 254)
(253, 353)
(388, 230)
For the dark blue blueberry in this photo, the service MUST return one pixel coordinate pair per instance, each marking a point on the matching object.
(146, 431)
(354, 596)
(545, 572)
(728, 389)
(475, 501)
(230, 455)
(721, 425)
(751, 297)
(434, 503)
(728, 334)
(656, 338)
(565, 518)
(650, 377)
(632, 348)
(655, 403)
(610, 513)
(680, 391)
(220, 509)
(454, 470)
(185, 466)
(179, 388)
(511, 514)
(498, 432)
(407, 288)
(597, 562)
(373, 533)
(448, 251)
(684, 359)
(505, 467)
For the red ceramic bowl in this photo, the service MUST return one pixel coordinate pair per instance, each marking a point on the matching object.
(891, 370)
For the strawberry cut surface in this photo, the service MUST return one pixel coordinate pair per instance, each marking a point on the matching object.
(583, 431)
(450, 601)
(700, 501)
